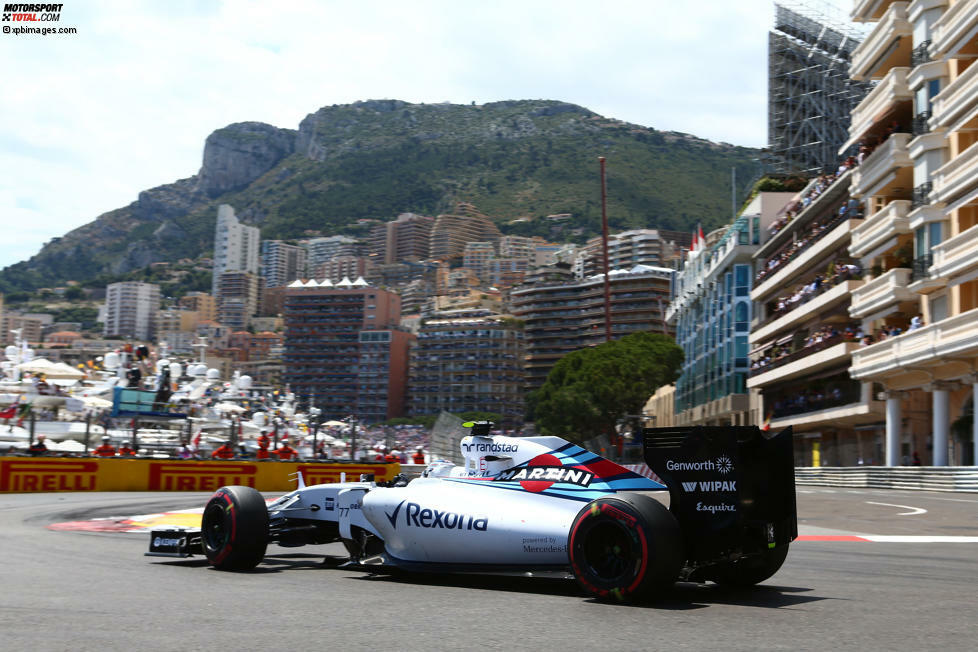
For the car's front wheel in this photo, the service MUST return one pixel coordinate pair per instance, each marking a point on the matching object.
(623, 547)
(234, 528)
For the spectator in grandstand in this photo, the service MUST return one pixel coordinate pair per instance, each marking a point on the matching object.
(38, 447)
(106, 449)
(224, 452)
(286, 452)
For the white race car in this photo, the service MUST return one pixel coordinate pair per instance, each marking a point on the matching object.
(537, 504)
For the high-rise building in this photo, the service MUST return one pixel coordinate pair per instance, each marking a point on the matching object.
(562, 317)
(810, 92)
(205, 305)
(477, 256)
(711, 312)
(324, 249)
(235, 246)
(468, 361)
(282, 263)
(339, 267)
(382, 371)
(450, 233)
(405, 239)
(323, 328)
(626, 249)
(918, 180)
(238, 298)
(130, 310)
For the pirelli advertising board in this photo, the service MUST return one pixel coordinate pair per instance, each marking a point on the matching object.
(46, 474)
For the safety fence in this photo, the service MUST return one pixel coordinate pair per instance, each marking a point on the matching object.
(41, 474)
(924, 478)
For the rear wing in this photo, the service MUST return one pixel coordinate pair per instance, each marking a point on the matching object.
(732, 488)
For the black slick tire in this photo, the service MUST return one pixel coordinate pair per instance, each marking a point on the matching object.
(624, 547)
(234, 528)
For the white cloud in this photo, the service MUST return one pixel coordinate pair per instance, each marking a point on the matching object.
(89, 120)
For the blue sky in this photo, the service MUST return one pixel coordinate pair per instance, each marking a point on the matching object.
(89, 120)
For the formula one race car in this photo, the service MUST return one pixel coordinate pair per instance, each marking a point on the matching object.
(537, 504)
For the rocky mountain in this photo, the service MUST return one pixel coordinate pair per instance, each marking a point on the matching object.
(517, 161)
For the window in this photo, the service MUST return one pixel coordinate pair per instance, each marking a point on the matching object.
(938, 308)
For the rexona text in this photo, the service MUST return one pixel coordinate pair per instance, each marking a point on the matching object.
(417, 516)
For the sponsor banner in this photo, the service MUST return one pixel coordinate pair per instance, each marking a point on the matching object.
(41, 474)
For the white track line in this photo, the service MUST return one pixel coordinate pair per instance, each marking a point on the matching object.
(913, 510)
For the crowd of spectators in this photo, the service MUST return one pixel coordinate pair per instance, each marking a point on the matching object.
(821, 283)
(824, 335)
(822, 183)
(890, 330)
(811, 400)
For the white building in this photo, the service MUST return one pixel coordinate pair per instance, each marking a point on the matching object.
(235, 246)
(130, 310)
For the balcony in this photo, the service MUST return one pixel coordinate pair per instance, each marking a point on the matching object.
(881, 168)
(957, 255)
(956, 177)
(819, 304)
(888, 45)
(882, 292)
(866, 11)
(953, 29)
(920, 54)
(930, 346)
(804, 362)
(890, 91)
(827, 241)
(957, 99)
(921, 279)
(880, 228)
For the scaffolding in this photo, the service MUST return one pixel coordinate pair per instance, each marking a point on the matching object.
(810, 93)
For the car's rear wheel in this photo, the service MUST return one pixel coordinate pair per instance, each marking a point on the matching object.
(625, 546)
(750, 570)
(234, 528)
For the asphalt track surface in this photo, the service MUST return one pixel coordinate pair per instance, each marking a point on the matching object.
(95, 591)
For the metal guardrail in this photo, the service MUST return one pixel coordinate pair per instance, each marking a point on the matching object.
(921, 478)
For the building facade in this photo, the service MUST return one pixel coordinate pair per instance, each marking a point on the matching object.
(712, 313)
(235, 246)
(282, 263)
(468, 361)
(627, 249)
(238, 298)
(564, 317)
(918, 181)
(130, 310)
(322, 343)
(402, 240)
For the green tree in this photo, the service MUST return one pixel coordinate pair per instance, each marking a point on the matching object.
(589, 391)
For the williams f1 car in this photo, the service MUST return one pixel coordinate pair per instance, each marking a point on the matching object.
(537, 504)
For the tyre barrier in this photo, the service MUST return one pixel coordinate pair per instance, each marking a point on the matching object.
(52, 474)
(920, 478)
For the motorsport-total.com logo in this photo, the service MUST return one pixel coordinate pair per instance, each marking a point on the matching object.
(29, 13)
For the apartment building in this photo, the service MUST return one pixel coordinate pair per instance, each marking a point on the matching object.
(202, 303)
(803, 335)
(404, 239)
(382, 371)
(711, 313)
(322, 339)
(627, 249)
(282, 263)
(324, 249)
(566, 316)
(468, 361)
(130, 310)
(451, 232)
(339, 267)
(476, 256)
(235, 246)
(919, 184)
(238, 298)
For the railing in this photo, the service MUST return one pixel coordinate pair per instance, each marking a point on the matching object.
(801, 353)
(824, 287)
(921, 123)
(921, 194)
(925, 478)
(811, 402)
(920, 54)
(921, 267)
(826, 229)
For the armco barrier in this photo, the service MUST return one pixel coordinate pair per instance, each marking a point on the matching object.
(922, 478)
(42, 474)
